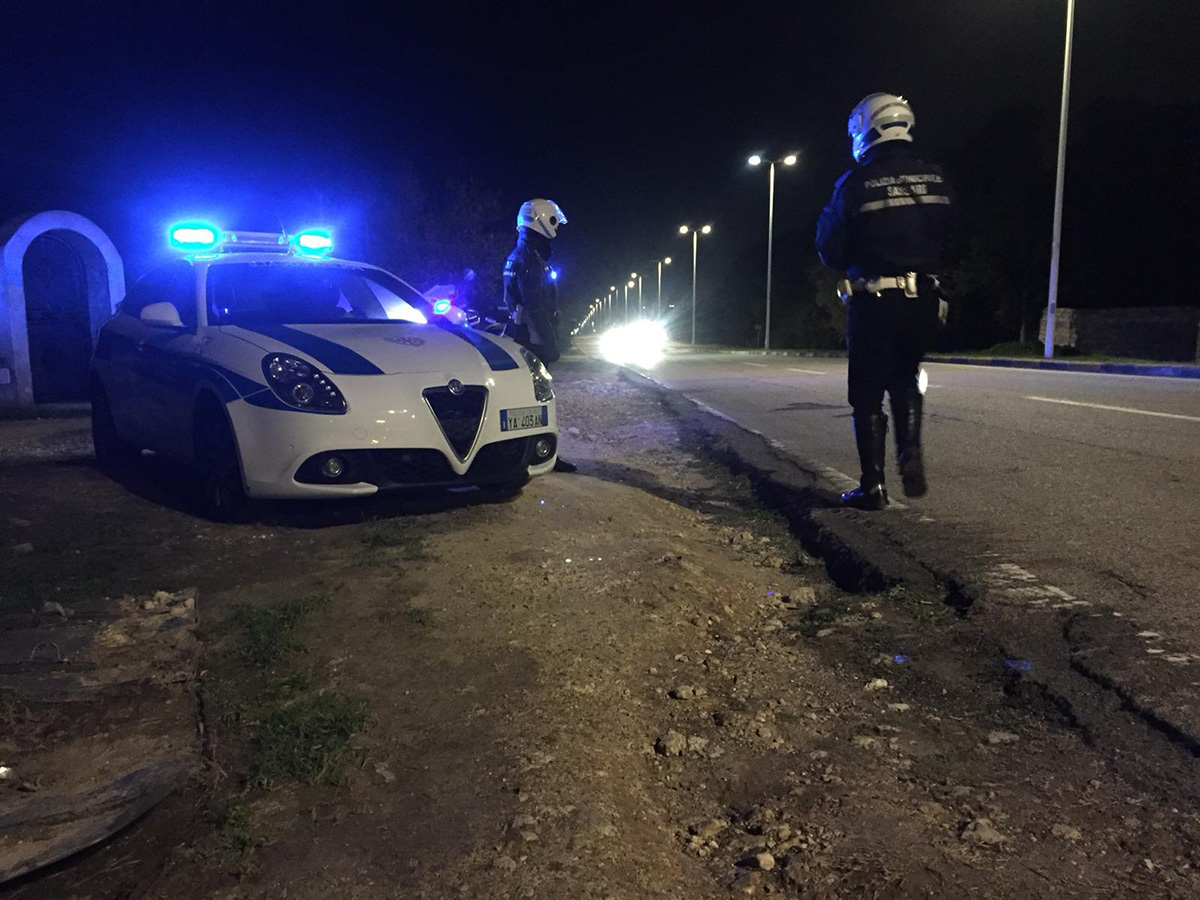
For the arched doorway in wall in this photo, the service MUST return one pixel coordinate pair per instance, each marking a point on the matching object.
(64, 276)
(60, 277)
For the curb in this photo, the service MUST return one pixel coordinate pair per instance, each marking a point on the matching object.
(1134, 369)
(804, 354)
(1103, 368)
(1149, 370)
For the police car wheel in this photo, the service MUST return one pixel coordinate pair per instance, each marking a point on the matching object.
(112, 453)
(222, 498)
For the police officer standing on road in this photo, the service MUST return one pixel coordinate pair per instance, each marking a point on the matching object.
(530, 289)
(530, 292)
(891, 225)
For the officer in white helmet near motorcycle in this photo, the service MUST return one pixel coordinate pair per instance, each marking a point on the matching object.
(891, 226)
(530, 291)
(530, 286)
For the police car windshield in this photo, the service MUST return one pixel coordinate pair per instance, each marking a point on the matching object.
(303, 293)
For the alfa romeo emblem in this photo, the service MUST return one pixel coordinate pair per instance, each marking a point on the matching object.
(456, 386)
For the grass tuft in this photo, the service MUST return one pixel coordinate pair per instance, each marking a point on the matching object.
(307, 740)
(233, 826)
(266, 632)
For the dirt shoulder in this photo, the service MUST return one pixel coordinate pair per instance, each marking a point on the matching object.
(627, 682)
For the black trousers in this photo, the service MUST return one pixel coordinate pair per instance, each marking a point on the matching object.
(887, 337)
(538, 332)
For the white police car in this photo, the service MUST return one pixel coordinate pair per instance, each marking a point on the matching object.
(280, 372)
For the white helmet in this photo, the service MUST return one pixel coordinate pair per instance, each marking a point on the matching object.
(543, 216)
(879, 118)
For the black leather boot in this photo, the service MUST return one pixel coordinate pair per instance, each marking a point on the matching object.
(907, 409)
(870, 434)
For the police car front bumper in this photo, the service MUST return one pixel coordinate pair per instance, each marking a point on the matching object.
(396, 445)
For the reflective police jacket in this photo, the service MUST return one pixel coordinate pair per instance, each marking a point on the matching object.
(892, 213)
(527, 276)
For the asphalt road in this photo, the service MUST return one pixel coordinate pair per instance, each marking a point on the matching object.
(1087, 483)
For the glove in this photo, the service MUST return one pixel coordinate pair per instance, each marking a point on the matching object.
(943, 311)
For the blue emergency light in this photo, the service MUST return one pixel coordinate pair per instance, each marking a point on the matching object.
(554, 274)
(441, 307)
(313, 242)
(194, 236)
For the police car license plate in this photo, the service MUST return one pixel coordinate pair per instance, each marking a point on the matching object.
(524, 417)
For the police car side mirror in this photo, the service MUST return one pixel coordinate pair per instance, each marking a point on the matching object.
(161, 315)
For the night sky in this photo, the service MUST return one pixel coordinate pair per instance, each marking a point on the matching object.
(634, 118)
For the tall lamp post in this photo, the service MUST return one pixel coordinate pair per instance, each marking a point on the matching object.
(695, 233)
(1052, 302)
(666, 261)
(612, 303)
(756, 160)
(628, 285)
(632, 276)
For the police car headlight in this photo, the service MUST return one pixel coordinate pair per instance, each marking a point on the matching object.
(542, 388)
(301, 386)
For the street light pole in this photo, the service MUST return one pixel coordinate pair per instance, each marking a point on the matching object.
(658, 302)
(695, 250)
(755, 160)
(696, 232)
(1056, 240)
(770, 247)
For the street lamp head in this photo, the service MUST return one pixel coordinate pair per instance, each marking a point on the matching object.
(633, 274)
(631, 284)
(684, 229)
(612, 287)
(707, 229)
(755, 160)
(790, 159)
(667, 261)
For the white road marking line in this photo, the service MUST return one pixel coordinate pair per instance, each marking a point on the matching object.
(757, 365)
(807, 371)
(1124, 409)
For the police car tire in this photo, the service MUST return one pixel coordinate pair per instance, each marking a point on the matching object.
(222, 496)
(112, 453)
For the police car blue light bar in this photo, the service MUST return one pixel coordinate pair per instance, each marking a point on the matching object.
(441, 307)
(194, 236)
(313, 242)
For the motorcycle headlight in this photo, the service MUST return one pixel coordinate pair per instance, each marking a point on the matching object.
(543, 390)
(301, 386)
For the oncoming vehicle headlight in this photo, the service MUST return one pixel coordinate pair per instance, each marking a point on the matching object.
(542, 388)
(301, 386)
(640, 343)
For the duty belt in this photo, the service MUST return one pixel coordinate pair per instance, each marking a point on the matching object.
(906, 282)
